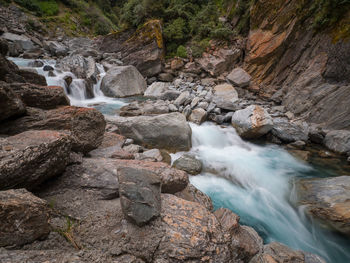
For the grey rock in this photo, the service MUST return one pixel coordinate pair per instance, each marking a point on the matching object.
(338, 141)
(139, 192)
(123, 81)
(239, 77)
(290, 132)
(133, 148)
(187, 111)
(157, 89)
(22, 41)
(225, 96)
(23, 218)
(182, 98)
(252, 122)
(172, 108)
(192, 194)
(48, 68)
(30, 158)
(57, 49)
(154, 154)
(188, 164)
(198, 116)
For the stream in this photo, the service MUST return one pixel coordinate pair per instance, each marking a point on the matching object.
(253, 180)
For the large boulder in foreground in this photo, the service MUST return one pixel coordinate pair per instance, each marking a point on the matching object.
(252, 122)
(143, 48)
(123, 81)
(10, 103)
(166, 131)
(338, 141)
(44, 97)
(139, 192)
(86, 125)
(225, 96)
(327, 200)
(29, 158)
(23, 218)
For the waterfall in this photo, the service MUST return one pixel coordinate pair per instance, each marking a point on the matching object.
(256, 183)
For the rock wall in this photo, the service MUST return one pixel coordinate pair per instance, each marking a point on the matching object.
(305, 70)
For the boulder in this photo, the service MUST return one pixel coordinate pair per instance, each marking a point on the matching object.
(10, 104)
(23, 218)
(252, 122)
(225, 96)
(290, 132)
(31, 157)
(327, 199)
(44, 97)
(188, 164)
(148, 107)
(166, 77)
(142, 48)
(157, 89)
(139, 192)
(239, 77)
(166, 131)
(23, 42)
(192, 194)
(86, 125)
(57, 49)
(32, 77)
(123, 81)
(198, 116)
(181, 98)
(338, 141)
(176, 64)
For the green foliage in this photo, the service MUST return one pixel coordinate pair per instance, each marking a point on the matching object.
(181, 52)
(176, 30)
(40, 7)
(198, 47)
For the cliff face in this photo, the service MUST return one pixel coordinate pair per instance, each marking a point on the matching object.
(305, 70)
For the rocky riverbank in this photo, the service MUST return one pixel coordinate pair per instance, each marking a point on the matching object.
(77, 186)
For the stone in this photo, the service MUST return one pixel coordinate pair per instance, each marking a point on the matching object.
(195, 102)
(290, 132)
(327, 199)
(24, 218)
(133, 148)
(10, 104)
(31, 77)
(157, 89)
(123, 81)
(338, 141)
(166, 77)
(142, 48)
(225, 96)
(166, 131)
(139, 192)
(44, 97)
(192, 194)
(181, 98)
(229, 221)
(198, 116)
(172, 108)
(31, 157)
(176, 63)
(57, 49)
(48, 68)
(188, 164)
(252, 122)
(36, 64)
(239, 77)
(22, 41)
(154, 154)
(86, 125)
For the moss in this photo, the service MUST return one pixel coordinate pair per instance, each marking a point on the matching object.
(181, 52)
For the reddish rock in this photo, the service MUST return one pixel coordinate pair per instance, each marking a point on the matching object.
(10, 104)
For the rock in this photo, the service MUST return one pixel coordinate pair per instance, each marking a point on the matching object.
(157, 89)
(57, 49)
(153, 154)
(44, 97)
(182, 98)
(172, 108)
(148, 107)
(23, 216)
(225, 96)
(139, 192)
(252, 122)
(338, 141)
(195, 102)
(290, 132)
(188, 164)
(23, 42)
(228, 116)
(198, 116)
(191, 233)
(48, 68)
(166, 131)
(277, 252)
(297, 145)
(36, 64)
(327, 199)
(187, 111)
(10, 104)
(133, 148)
(176, 63)
(192, 194)
(31, 157)
(4, 48)
(316, 135)
(239, 77)
(85, 125)
(167, 77)
(229, 221)
(142, 48)
(32, 77)
(123, 81)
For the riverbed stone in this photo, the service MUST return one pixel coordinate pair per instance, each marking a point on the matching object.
(239, 77)
(338, 141)
(123, 81)
(198, 116)
(189, 164)
(181, 98)
(252, 122)
(10, 104)
(166, 131)
(290, 132)
(31, 157)
(192, 194)
(24, 218)
(225, 96)
(157, 89)
(139, 192)
(327, 199)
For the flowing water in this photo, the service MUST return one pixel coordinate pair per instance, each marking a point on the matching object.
(254, 181)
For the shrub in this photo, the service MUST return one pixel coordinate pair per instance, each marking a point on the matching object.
(181, 52)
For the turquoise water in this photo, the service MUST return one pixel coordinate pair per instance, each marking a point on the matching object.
(256, 182)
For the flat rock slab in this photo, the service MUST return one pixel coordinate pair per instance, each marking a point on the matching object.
(166, 131)
(29, 158)
(139, 192)
(23, 218)
(328, 200)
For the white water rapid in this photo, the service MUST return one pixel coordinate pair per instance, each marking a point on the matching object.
(256, 183)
